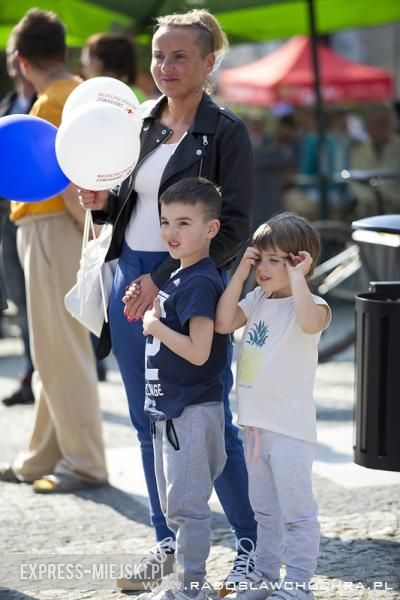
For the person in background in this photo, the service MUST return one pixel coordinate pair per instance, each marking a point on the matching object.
(381, 151)
(337, 127)
(18, 101)
(66, 449)
(286, 137)
(275, 160)
(275, 379)
(111, 55)
(184, 134)
(304, 197)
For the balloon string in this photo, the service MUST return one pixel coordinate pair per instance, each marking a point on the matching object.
(85, 240)
(99, 265)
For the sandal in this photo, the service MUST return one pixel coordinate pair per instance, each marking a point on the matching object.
(63, 483)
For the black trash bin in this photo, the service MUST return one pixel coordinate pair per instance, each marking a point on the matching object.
(377, 410)
(378, 241)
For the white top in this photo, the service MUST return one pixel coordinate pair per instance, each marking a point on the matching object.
(143, 231)
(276, 368)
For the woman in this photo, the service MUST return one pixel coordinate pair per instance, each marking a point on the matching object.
(184, 134)
(111, 55)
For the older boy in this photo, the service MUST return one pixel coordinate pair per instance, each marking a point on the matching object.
(184, 393)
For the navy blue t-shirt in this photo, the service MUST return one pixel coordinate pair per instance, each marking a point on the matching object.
(171, 381)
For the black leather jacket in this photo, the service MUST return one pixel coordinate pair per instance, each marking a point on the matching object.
(217, 146)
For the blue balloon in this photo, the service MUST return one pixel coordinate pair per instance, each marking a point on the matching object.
(29, 170)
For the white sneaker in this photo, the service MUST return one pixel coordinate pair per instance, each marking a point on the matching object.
(256, 587)
(169, 589)
(151, 568)
(242, 566)
(298, 594)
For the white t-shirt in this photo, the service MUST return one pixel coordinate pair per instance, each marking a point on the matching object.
(143, 231)
(276, 368)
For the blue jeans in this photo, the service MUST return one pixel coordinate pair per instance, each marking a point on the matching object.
(128, 344)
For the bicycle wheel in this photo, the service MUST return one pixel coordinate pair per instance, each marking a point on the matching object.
(337, 279)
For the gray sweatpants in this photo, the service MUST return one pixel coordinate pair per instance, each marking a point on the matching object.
(185, 479)
(280, 491)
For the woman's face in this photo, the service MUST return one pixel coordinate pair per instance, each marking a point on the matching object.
(91, 66)
(178, 65)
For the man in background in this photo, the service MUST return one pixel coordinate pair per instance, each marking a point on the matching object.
(17, 101)
(66, 451)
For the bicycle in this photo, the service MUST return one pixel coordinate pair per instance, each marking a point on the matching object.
(346, 267)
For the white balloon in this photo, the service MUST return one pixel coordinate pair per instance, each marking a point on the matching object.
(98, 146)
(106, 91)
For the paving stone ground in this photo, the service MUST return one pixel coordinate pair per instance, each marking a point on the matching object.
(359, 508)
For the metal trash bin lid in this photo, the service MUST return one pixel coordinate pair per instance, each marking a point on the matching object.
(383, 230)
(380, 223)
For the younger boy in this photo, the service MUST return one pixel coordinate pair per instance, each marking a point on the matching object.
(184, 393)
(276, 372)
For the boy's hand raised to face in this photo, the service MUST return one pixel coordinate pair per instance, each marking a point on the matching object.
(299, 263)
(151, 316)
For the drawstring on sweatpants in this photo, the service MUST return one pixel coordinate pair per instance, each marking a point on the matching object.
(171, 434)
(252, 453)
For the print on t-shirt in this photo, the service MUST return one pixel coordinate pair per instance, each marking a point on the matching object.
(172, 382)
(251, 359)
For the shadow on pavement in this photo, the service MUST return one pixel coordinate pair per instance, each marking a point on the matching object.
(366, 561)
(9, 594)
(116, 419)
(119, 501)
(124, 504)
(328, 454)
(334, 414)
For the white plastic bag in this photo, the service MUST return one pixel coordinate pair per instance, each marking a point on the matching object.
(87, 301)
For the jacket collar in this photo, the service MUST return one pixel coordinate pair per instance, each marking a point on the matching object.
(205, 120)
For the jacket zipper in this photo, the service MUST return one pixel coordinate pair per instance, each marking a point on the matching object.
(205, 143)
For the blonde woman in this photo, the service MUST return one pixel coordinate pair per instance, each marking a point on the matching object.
(184, 134)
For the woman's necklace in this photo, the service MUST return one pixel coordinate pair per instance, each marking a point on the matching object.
(176, 135)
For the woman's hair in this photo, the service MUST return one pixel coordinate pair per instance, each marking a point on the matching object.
(210, 35)
(117, 54)
(40, 37)
(291, 234)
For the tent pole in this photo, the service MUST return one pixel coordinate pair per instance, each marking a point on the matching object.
(319, 110)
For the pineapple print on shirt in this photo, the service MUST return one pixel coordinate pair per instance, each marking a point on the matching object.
(251, 357)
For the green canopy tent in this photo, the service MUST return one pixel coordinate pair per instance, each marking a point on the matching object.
(242, 20)
(260, 20)
(81, 17)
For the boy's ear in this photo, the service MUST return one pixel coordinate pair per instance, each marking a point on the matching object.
(24, 63)
(213, 228)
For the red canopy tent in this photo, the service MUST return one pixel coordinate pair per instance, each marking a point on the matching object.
(287, 75)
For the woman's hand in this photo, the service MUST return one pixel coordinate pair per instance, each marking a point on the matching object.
(139, 297)
(151, 316)
(90, 200)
